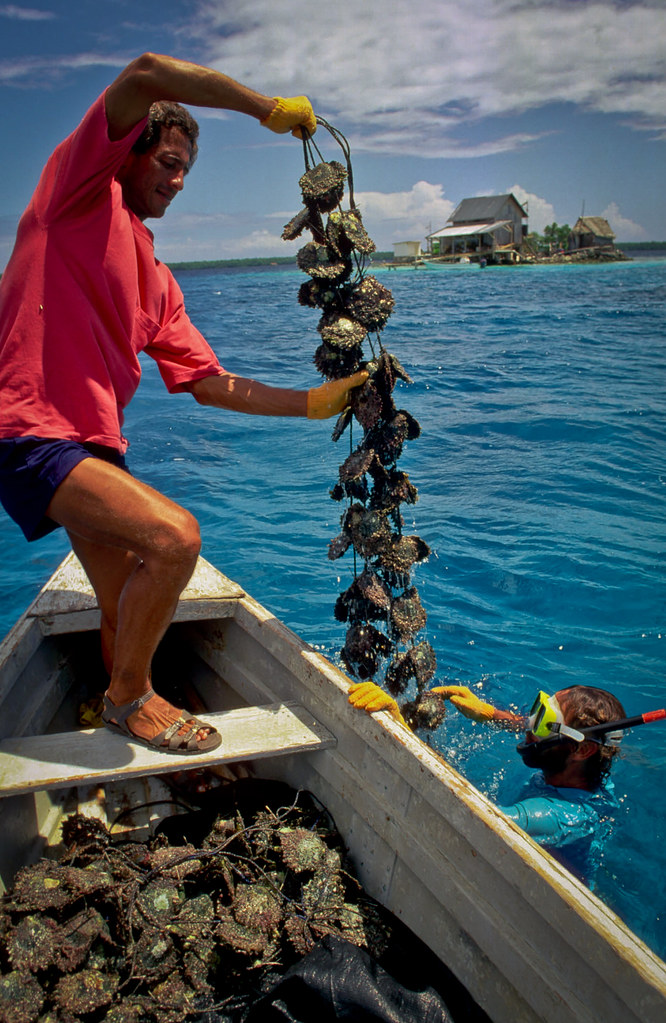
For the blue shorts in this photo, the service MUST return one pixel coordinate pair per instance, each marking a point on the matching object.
(32, 469)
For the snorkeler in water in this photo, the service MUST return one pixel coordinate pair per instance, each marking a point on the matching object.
(572, 739)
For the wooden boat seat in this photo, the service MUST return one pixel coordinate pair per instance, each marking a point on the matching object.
(67, 603)
(29, 763)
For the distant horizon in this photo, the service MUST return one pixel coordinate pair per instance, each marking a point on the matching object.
(385, 253)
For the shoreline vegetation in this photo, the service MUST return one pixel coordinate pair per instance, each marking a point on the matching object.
(377, 257)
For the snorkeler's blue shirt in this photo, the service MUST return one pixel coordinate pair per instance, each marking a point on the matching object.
(572, 824)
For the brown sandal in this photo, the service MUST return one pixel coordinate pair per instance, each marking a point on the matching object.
(167, 741)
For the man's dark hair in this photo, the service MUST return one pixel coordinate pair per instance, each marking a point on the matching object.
(587, 706)
(165, 114)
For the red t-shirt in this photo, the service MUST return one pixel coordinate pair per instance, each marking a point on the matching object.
(82, 295)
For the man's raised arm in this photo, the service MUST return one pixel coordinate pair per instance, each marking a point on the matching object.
(153, 77)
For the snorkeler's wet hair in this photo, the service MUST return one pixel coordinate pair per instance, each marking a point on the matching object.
(165, 114)
(587, 706)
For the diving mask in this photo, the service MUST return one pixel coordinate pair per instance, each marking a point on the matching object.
(546, 720)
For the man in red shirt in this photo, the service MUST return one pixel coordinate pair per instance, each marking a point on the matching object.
(82, 295)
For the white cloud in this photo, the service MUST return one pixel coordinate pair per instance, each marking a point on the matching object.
(184, 236)
(36, 71)
(410, 77)
(625, 230)
(400, 216)
(540, 211)
(24, 13)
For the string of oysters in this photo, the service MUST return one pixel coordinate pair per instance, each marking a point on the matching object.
(381, 607)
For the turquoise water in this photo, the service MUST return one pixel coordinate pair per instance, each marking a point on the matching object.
(541, 472)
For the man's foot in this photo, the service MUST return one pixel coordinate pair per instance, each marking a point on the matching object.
(153, 722)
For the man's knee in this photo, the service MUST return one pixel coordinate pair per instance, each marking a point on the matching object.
(178, 539)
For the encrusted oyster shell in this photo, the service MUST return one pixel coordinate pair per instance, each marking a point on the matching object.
(345, 232)
(367, 405)
(323, 185)
(305, 219)
(334, 363)
(407, 614)
(371, 304)
(369, 530)
(401, 552)
(419, 663)
(364, 648)
(427, 711)
(321, 262)
(341, 332)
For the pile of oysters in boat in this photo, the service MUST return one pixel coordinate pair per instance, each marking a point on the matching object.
(381, 607)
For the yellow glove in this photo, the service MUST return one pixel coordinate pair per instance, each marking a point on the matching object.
(90, 713)
(331, 398)
(369, 697)
(291, 115)
(464, 700)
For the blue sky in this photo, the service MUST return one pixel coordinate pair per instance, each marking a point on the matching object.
(561, 102)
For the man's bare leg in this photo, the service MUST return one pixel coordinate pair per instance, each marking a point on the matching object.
(139, 550)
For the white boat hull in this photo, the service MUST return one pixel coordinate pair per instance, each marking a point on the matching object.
(528, 941)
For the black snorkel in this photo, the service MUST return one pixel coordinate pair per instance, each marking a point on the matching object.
(535, 752)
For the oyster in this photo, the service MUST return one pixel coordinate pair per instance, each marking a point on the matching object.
(342, 424)
(51, 885)
(132, 1009)
(427, 711)
(21, 997)
(78, 936)
(250, 925)
(367, 598)
(32, 944)
(154, 953)
(401, 552)
(367, 405)
(159, 901)
(316, 294)
(364, 647)
(407, 614)
(306, 219)
(419, 663)
(81, 833)
(389, 436)
(176, 998)
(338, 546)
(321, 262)
(368, 528)
(399, 370)
(194, 921)
(334, 363)
(341, 332)
(304, 850)
(85, 991)
(345, 232)
(323, 185)
(392, 489)
(371, 304)
(356, 464)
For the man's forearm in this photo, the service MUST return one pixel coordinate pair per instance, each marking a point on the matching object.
(240, 394)
(153, 77)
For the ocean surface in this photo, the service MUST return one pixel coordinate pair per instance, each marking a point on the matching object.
(541, 469)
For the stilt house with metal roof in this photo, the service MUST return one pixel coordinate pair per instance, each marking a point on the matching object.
(488, 227)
